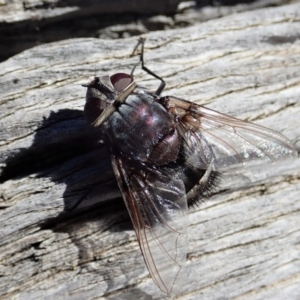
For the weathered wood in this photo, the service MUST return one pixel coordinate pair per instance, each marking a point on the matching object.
(16, 11)
(243, 242)
(25, 24)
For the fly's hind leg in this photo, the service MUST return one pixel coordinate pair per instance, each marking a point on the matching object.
(204, 188)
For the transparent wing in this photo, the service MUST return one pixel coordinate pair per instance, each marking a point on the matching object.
(157, 205)
(223, 141)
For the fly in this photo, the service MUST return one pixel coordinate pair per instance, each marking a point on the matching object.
(167, 154)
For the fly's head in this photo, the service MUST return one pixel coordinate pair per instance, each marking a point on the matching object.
(104, 94)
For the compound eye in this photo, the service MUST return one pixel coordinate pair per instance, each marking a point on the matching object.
(121, 81)
(93, 108)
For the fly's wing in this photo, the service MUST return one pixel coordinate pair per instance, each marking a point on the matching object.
(222, 141)
(156, 202)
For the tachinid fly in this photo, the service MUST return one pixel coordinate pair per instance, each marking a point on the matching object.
(167, 154)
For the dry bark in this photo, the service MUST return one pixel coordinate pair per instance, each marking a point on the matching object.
(243, 241)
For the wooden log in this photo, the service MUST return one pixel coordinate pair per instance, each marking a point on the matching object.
(243, 241)
(25, 24)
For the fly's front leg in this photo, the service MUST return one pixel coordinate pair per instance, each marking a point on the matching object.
(141, 42)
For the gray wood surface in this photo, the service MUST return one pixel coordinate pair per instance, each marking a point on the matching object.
(243, 241)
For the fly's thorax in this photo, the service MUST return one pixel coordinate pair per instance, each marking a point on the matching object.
(142, 129)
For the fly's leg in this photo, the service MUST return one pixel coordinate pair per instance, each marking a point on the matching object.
(141, 42)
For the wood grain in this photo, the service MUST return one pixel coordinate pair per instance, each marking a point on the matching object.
(243, 241)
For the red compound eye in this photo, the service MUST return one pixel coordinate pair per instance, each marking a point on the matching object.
(121, 81)
(93, 109)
